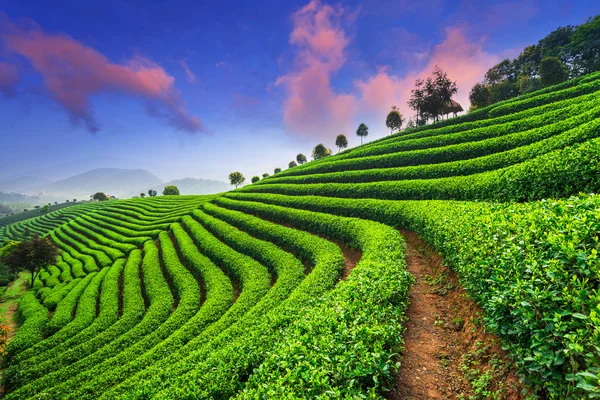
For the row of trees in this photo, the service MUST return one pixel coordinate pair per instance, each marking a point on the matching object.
(169, 190)
(565, 53)
(319, 151)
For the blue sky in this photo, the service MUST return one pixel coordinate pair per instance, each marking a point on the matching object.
(232, 85)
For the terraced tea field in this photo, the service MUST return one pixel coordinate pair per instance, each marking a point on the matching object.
(297, 285)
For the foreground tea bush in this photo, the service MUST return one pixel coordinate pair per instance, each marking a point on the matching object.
(533, 267)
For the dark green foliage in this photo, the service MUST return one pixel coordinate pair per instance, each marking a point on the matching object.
(341, 142)
(393, 120)
(236, 178)
(320, 151)
(170, 190)
(30, 255)
(255, 179)
(552, 71)
(301, 158)
(99, 196)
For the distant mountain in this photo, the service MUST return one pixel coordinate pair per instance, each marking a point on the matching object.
(23, 184)
(190, 186)
(18, 198)
(112, 181)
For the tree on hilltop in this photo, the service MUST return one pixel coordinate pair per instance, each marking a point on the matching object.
(362, 131)
(277, 170)
(236, 178)
(170, 190)
(394, 120)
(292, 164)
(255, 179)
(301, 158)
(320, 151)
(151, 192)
(100, 196)
(341, 142)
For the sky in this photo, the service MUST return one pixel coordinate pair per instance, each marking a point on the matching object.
(201, 89)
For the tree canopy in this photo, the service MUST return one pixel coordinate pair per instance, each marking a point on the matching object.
(31, 255)
(320, 151)
(236, 178)
(151, 192)
(394, 120)
(566, 52)
(170, 190)
(430, 96)
(100, 196)
(292, 164)
(552, 71)
(277, 170)
(341, 142)
(362, 131)
(255, 179)
(301, 158)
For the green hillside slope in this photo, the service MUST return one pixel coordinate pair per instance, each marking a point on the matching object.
(249, 294)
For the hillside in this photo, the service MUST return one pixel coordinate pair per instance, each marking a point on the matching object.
(300, 285)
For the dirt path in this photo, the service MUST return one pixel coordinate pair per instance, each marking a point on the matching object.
(447, 353)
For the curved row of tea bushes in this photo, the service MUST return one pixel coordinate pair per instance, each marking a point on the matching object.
(538, 119)
(560, 173)
(103, 254)
(103, 375)
(117, 248)
(132, 313)
(114, 232)
(454, 152)
(132, 327)
(491, 162)
(324, 256)
(253, 277)
(91, 258)
(76, 265)
(66, 309)
(44, 361)
(51, 297)
(287, 268)
(121, 227)
(532, 267)
(333, 367)
(34, 317)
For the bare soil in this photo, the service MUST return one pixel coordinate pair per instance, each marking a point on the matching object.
(447, 350)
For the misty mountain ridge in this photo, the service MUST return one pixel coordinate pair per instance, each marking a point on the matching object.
(117, 182)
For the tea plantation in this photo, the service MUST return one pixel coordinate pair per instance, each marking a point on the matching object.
(245, 294)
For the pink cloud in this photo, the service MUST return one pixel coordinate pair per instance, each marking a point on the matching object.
(188, 72)
(73, 72)
(312, 108)
(9, 78)
(464, 61)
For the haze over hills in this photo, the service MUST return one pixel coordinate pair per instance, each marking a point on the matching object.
(112, 181)
(24, 184)
(191, 186)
